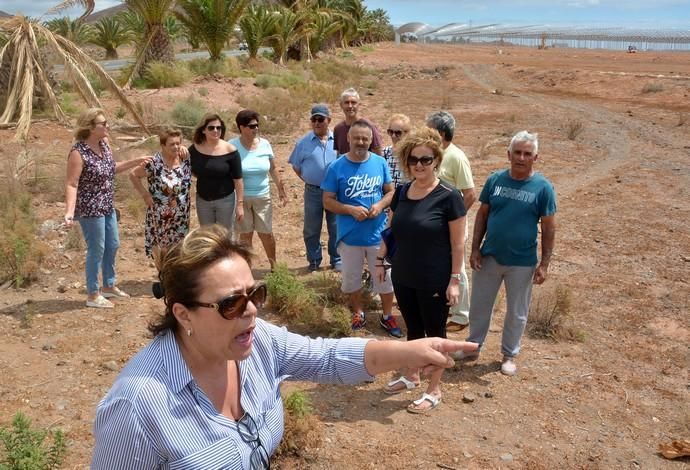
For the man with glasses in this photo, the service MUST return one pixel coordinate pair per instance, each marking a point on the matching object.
(349, 103)
(514, 202)
(310, 158)
(358, 188)
(455, 169)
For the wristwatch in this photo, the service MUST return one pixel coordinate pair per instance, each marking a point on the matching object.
(456, 276)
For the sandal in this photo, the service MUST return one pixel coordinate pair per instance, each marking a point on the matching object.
(453, 327)
(414, 406)
(392, 388)
(115, 292)
(99, 302)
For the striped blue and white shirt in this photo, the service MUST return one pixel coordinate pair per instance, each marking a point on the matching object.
(156, 417)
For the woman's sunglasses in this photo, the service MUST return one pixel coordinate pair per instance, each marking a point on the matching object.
(253, 126)
(394, 132)
(214, 128)
(235, 305)
(425, 161)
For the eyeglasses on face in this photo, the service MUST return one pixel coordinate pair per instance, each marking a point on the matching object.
(249, 432)
(253, 126)
(425, 161)
(235, 305)
(395, 132)
(318, 119)
(214, 128)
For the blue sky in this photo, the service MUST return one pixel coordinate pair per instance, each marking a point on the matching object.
(637, 13)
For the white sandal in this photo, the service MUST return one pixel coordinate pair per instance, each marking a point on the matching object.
(409, 385)
(412, 408)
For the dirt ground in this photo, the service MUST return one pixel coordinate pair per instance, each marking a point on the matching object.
(622, 250)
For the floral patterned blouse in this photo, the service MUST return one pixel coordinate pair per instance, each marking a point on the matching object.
(167, 222)
(96, 182)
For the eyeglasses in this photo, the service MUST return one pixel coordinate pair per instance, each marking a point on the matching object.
(395, 132)
(425, 161)
(249, 432)
(253, 126)
(214, 128)
(318, 119)
(235, 305)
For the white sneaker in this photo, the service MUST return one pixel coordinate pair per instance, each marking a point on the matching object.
(99, 302)
(508, 366)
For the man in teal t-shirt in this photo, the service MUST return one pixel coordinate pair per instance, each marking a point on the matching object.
(357, 188)
(513, 203)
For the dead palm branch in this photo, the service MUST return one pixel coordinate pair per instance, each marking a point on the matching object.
(25, 40)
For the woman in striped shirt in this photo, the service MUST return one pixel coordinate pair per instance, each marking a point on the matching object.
(204, 393)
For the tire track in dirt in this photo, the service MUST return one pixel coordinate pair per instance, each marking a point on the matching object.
(610, 125)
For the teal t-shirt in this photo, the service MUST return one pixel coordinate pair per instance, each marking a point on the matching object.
(255, 166)
(358, 184)
(515, 207)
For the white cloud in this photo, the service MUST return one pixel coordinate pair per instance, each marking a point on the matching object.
(36, 8)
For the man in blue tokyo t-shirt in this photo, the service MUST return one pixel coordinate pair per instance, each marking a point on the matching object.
(513, 202)
(357, 188)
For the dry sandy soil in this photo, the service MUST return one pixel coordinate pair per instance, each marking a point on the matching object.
(623, 252)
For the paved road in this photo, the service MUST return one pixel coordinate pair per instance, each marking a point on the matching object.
(117, 64)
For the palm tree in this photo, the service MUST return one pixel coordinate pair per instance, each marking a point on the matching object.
(109, 33)
(27, 39)
(286, 32)
(75, 30)
(212, 20)
(257, 25)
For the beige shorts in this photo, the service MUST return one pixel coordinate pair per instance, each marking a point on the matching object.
(352, 258)
(258, 215)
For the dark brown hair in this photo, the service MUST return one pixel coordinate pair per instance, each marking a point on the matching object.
(199, 136)
(246, 116)
(183, 265)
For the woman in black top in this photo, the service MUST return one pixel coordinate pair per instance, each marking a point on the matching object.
(218, 169)
(428, 222)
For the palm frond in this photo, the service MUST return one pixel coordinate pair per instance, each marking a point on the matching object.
(88, 5)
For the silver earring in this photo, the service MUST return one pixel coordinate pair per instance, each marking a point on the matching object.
(189, 332)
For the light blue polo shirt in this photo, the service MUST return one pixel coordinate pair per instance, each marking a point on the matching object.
(311, 157)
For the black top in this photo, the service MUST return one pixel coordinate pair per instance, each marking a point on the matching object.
(215, 173)
(423, 257)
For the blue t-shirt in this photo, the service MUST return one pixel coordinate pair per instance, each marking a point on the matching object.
(358, 184)
(255, 166)
(515, 207)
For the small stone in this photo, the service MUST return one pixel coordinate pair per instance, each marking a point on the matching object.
(507, 457)
(468, 397)
(60, 363)
(75, 285)
(488, 395)
(61, 288)
(467, 455)
(48, 347)
(111, 365)
(45, 271)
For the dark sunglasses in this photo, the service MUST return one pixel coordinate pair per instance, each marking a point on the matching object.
(396, 133)
(425, 161)
(318, 119)
(235, 305)
(214, 128)
(249, 432)
(253, 126)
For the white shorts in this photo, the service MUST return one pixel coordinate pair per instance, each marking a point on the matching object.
(352, 258)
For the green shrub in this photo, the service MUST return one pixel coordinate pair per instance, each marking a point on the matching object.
(203, 91)
(120, 112)
(187, 114)
(652, 88)
(289, 297)
(302, 432)
(25, 448)
(283, 80)
(67, 103)
(162, 75)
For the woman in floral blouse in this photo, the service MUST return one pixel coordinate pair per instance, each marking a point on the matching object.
(169, 177)
(89, 192)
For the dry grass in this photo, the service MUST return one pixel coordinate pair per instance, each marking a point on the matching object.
(653, 87)
(574, 128)
(302, 434)
(550, 316)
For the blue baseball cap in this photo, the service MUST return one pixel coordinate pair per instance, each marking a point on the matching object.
(320, 109)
